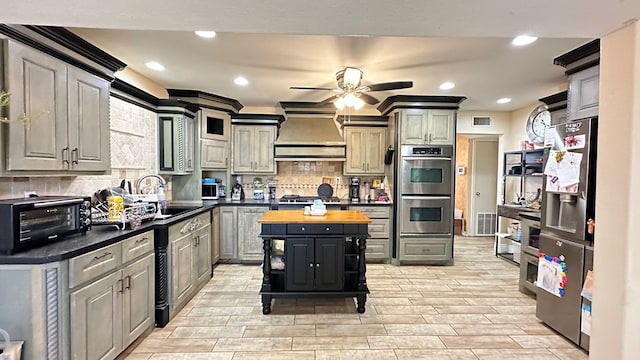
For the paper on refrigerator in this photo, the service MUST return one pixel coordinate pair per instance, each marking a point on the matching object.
(563, 171)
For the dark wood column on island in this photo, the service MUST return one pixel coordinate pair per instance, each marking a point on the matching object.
(314, 255)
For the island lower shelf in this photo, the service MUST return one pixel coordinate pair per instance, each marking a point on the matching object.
(318, 258)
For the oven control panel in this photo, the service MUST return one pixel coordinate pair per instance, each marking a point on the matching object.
(427, 151)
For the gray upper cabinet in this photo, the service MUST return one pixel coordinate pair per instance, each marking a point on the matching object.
(422, 126)
(214, 154)
(176, 144)
(214, 125)
(583, 93)
(59, 114)
(365, 150)
(252, 149)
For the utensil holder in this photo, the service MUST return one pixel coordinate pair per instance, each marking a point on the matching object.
(10, 350)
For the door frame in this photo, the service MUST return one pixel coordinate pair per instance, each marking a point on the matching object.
(471, 203)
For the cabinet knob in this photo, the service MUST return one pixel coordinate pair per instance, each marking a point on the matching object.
(317, 265)
(310, 265)
(302, 228)
(327, 228)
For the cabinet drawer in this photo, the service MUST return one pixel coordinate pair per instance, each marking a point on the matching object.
(425, 249)
(189, 225)
(315, 229)
(91, 265)
(377, 249)
(136, 246)
(379, 228)
(374, 212)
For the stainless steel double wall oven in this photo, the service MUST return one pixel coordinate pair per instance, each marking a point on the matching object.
(425, 180)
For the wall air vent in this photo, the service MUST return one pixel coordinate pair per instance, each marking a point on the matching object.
(485, 224)
(481, 121)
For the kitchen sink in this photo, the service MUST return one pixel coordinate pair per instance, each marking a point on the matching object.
(171, 211)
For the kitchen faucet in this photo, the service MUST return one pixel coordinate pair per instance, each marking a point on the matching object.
(139, 181)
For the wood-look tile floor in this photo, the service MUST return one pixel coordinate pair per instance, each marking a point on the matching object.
(472, 310)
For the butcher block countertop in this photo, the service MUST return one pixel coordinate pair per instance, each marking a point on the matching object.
(298, 217)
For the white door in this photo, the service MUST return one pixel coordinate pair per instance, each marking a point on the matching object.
(484, 187)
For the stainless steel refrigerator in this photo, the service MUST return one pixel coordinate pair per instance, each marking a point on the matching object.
(566, 238)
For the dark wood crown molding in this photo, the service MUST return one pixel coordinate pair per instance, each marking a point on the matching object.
(578, 53)
(355, 120)
(133, 91)
(185, 93)
(272, 117)
(420, 101)
(555, 98)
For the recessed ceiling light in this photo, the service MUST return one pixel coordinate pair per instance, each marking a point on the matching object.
(205, 34)
(241, 81)
(153, 65)
(503, 100)
(447, 85)
(523, 40)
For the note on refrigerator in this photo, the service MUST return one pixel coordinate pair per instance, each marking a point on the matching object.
(585, 324)
(587, 288)
(552, 274)
(563, 171)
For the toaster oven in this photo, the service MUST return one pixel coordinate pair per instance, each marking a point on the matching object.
(27, 223)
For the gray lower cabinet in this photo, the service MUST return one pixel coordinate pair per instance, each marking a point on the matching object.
(249, 241)
(378, 244)
(229, 233)
(59, 115)
(108, 312)
(426, 250)
(190, 252)
(215, 236)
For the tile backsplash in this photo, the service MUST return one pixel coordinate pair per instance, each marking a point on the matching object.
(133, 154)
(304, 177)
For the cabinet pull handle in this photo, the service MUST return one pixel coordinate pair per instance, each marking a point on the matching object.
(362, 166)
(367, 166)
(144, 239)
(226, 161)
(127, 280)
(120, 285)
(98, 257)
(429, 138)
(74, 160)
(65, 155)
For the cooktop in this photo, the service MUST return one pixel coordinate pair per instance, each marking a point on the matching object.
(298, 199)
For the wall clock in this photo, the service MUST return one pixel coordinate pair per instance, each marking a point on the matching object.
(539, 121)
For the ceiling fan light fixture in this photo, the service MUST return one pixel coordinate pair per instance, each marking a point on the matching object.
(340, 103)
(352, 77)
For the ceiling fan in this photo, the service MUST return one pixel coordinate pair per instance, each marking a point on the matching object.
(351, 92)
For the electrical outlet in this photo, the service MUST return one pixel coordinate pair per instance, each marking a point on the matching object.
(30, 193)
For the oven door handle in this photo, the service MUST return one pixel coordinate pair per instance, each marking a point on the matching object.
(425, 158)
(57, 202)
(425, 198)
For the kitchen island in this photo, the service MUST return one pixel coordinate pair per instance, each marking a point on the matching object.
(311, 256)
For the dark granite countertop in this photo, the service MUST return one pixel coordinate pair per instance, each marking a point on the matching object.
(101, 236)
(96, 238)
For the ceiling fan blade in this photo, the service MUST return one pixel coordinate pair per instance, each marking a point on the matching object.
(391, 86)
(308, 88)
(369, 99)
(329, 100)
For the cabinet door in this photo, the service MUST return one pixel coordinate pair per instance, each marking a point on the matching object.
(214, 125)
(229, 234)
(189, 140)
(263, 149)
(203, 258)
(583, 93)
(214, 154)
(182, 265)
(441, 127)
(249, 233)
(299, 265)
(242, 149)
(375, 149)
(96, 319)
(329, 264)
(38, 112)
(413, 127)
(166, 143)
(215, 236)
(89, 136)
(139, 299)
(356, 151)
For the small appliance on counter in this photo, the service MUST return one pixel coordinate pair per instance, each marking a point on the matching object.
(222, 191)
(210, 189)
(271, 184)
(354, 189)
(27, 223)
(237, 193)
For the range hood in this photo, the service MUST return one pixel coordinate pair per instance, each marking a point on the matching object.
(310, 137)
